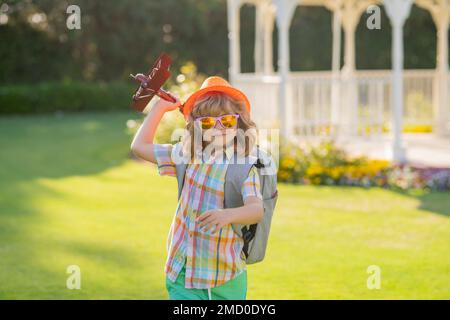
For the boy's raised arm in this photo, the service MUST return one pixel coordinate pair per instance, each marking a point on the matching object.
(142, 145)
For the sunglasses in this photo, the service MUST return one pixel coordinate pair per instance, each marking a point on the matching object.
(227, 121)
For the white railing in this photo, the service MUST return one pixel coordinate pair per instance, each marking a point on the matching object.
(323, 105)
(262, 91)
(312, 103)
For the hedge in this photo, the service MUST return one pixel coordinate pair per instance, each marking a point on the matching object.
(63, 96)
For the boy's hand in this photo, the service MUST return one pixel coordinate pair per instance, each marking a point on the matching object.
(167, 105)
(214, 220)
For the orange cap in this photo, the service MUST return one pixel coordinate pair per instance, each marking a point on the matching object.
(214, 83)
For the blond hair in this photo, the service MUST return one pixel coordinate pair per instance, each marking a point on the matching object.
(215, 104)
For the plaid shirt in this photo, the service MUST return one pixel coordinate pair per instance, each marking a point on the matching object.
(211, 259)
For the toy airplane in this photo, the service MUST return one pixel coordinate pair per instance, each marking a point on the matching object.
(151, 84)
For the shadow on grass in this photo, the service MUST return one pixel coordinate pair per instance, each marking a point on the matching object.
(436, 201)
(52, 147)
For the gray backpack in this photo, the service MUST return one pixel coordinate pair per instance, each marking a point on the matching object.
(256, 235)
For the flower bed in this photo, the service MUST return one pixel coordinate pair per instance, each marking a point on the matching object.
(326, 164)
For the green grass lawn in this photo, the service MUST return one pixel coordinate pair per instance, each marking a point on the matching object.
(69, 195)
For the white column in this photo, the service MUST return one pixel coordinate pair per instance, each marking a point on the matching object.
(269, 17)
(398, 11)
(234, 38)
(284, 12)
(336, 68)
(440, 11)
(350, 18)
(263, 37)
(441, 120)
(351, 11)
(336, 59)
(259, 38)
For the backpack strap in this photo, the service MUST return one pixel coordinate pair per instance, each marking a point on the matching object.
(180, 171)
(234, 179)
(180, 168)
(248, 233)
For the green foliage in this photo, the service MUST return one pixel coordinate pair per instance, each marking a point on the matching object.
(51, 97)
(31, 56)
(114, 40)
(126, 37)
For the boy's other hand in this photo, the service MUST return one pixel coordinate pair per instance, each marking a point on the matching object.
(213, 220)
(167, 105)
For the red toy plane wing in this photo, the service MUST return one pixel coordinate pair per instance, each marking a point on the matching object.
(157, 76)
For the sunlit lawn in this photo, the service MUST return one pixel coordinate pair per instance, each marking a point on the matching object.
(69, 195)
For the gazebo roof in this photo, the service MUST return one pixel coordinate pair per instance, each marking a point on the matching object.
(434, 6)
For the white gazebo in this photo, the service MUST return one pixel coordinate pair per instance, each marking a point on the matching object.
(343, 102)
